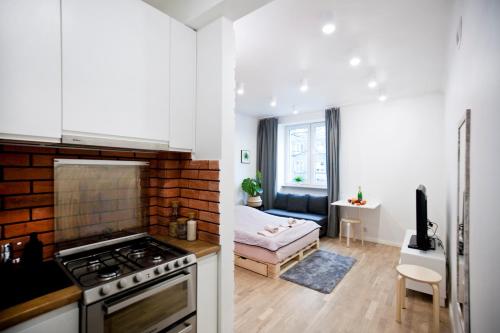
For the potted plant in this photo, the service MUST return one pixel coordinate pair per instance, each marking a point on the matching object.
(298, 179)
(253, 187)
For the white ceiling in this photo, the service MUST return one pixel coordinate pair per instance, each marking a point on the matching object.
(402, 44)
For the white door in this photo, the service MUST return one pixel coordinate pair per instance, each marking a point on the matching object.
(182, 86)
(30, 70)
(115, 69)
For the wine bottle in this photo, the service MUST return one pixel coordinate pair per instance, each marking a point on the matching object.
(360, 194)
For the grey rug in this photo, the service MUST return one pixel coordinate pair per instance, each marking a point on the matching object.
(320, 271)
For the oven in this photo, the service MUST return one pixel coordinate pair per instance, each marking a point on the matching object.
(166, 304)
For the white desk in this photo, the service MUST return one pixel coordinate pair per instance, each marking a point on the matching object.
(368, 205)
(432, 259)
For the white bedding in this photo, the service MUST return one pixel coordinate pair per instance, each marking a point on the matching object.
(249, 221)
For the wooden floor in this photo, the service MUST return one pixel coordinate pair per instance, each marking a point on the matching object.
(362, 302)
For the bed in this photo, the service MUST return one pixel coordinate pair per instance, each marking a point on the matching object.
(271, 256)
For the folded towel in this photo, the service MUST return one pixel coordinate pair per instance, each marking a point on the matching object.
(293, 223)
(271, 228)
(266, 233)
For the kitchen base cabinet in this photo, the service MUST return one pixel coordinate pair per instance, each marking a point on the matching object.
(207, 306)
(62, 320)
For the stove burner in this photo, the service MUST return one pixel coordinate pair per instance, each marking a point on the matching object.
(157, 258)
(137, 253)
(93, 264)
(108, 272)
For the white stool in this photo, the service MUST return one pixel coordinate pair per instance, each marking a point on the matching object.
(349, 223)
(419, 274)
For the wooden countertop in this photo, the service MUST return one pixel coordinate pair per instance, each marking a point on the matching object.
(40, 305)
(198, 247)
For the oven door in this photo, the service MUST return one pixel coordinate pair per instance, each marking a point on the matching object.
(149, 309)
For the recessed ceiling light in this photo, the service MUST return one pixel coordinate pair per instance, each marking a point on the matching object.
(382, 98)
(304, 86)
(273, 103)
(355, 61)
(372, 84)
(295, 111)
(328, 28)
(241, 89)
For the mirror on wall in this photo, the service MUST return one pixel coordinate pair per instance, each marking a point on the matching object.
(463, 189)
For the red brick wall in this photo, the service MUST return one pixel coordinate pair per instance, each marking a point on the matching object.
(27, 198)
(195, 184)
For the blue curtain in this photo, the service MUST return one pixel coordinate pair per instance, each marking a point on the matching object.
(267, 145)
(332, 122)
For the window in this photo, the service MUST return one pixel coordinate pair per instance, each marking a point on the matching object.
(306, 154)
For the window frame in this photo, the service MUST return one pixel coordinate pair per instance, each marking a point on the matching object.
(310, 163)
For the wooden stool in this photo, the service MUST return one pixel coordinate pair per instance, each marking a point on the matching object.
(350, 222)
(419, 274)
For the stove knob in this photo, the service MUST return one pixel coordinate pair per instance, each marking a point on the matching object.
(186, 260)
(158, 270)
(167, 267)
(177, 264)
(104, 290)
(138, 278)
(122, 283)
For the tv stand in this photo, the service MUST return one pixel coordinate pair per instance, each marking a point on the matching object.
(413, 243)
(434, 260)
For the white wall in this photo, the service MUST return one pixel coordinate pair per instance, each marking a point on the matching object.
(245, 139)
(215, 140)
(389, 149)
(474, 82)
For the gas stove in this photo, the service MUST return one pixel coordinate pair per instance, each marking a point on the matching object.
(114, 266)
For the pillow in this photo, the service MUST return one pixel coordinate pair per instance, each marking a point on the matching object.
(297, 203)
(281, 201)
(318, 204)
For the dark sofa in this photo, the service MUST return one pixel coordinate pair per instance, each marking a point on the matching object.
(302, 206)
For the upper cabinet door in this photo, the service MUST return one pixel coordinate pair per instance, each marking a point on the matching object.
(182, 86)
(115, 60)
(30, 70)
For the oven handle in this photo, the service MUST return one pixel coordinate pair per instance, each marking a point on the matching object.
(148, 293)
(187, 328)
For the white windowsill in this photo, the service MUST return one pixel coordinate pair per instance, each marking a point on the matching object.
(317, 187)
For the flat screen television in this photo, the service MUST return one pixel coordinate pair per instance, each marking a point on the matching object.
(421, 240)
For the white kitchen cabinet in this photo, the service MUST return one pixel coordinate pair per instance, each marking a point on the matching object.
(62, 320)
(207, 305)
(115, 70)
(30, 70)
(182, 86)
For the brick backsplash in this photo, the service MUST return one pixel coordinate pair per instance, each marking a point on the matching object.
(27, 198)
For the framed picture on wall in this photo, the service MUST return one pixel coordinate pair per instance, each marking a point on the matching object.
(245, 156)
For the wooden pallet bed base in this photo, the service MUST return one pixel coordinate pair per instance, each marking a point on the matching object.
(275, 270)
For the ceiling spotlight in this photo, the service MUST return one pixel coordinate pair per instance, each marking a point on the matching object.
(355, 61)
(372, 84)
(273, 103)
(304, 86)
(382, 98)
(241, 89)
(295, 111)
(328, 28)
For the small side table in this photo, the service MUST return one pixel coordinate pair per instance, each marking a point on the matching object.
(419, 274)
